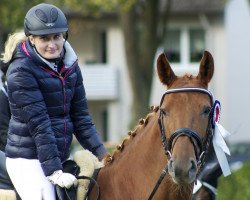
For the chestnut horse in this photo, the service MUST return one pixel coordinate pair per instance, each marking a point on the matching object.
(162, 157)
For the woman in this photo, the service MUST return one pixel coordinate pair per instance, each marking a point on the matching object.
(4, 124)
(5, 114)
(48, 105)
(10, 46)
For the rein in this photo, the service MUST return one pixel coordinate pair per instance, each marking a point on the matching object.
(193, 136)
(92, 181)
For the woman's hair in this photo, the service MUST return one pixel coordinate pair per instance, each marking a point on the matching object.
(10, 45)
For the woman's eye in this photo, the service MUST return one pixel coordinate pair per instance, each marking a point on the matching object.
(44, 38)
(58, 36)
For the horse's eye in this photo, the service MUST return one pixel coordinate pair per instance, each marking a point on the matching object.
(164, 112)
(206, 110)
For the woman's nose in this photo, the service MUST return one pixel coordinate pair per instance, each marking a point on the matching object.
(52, 43)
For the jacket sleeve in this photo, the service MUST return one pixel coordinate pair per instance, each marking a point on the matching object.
(85, 130)
(29, 108)
(4, 119)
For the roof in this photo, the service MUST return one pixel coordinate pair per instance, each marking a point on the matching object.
(197, 6)
(178, 7)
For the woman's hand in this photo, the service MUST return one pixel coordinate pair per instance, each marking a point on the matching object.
(64, 180)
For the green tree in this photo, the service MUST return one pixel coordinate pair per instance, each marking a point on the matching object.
(12, 14)
(144, 28)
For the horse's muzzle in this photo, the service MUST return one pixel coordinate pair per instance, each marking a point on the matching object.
(182, 174)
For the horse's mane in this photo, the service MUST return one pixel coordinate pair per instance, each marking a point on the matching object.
(131, 134)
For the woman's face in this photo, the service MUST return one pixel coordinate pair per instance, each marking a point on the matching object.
(48, 46)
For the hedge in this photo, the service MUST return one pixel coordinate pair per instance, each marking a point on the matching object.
(236, 186)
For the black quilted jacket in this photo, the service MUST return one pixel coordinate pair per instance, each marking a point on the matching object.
(47, 108)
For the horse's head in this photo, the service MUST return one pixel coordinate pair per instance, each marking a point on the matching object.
(185, 117)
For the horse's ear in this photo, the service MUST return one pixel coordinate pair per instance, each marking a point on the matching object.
(165, 72)
(206, 68)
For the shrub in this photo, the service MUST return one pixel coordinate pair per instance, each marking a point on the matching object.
(236, 186)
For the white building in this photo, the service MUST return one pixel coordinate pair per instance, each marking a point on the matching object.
(194, 25)
(100, 47)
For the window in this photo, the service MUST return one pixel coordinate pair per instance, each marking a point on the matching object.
(172, 45)
(184, 46)
(197, 44)
(104, 118)
(103, 42)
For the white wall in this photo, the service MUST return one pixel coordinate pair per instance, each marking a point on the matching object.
(218, 85)
(237, 26)
(88, 48)
(119, 111)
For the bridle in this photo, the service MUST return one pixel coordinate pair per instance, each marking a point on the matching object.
(200, 145)
(193, 136)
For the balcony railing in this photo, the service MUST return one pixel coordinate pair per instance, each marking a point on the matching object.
(100, 81)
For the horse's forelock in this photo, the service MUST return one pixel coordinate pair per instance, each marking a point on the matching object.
(188, 80)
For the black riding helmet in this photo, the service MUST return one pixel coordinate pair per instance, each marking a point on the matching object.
(44, 19)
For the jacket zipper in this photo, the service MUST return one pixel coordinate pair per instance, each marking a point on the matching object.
(62, 79)
(64, 110)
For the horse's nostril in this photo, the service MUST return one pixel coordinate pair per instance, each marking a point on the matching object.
(193, 169)
(193, 164)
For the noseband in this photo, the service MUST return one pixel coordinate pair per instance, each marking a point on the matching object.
(192, 135)
(199, 147)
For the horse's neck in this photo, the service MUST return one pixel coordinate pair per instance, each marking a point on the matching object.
(144, 148)
(138, 165)
(134, 171)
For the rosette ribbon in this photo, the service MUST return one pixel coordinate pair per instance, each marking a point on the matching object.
(219, 144)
